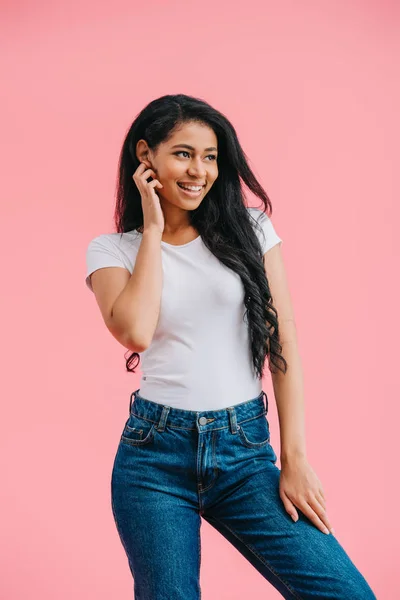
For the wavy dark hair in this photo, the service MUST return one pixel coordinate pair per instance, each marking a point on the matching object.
(222, 220)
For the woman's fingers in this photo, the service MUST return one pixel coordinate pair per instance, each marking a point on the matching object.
(321, 499)
(317, 514)
(142, 173)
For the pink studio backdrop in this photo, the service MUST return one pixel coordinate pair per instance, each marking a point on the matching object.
(313, 91)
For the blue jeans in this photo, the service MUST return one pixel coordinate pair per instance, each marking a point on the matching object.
(174, 466)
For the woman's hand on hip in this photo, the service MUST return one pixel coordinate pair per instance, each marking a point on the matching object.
(300, 487)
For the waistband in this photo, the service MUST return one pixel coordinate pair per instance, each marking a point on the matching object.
(207, 420)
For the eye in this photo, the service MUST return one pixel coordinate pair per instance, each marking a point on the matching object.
(181, 152)
(214, 157)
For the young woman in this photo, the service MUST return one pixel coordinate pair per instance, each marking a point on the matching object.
(193, 284)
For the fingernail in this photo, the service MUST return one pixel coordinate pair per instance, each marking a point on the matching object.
(326, 530)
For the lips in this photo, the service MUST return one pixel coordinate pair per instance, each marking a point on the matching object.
(191, 193)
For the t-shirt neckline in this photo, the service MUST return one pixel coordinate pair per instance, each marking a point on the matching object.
(174, 245)
(180, 245)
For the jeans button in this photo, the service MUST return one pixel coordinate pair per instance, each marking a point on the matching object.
(203, 420)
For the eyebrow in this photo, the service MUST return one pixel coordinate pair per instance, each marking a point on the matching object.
(191, 147)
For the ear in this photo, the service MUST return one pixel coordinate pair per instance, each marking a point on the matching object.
(142, 153)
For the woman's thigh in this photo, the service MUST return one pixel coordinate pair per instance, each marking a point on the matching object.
(159, 528)
(296, 558)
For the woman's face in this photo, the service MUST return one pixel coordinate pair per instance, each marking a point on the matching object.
(175, 163)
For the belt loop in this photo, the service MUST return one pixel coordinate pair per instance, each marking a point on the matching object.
(266, 402)
(232, 419)
(163, 418)
(130, 402)
(130, 399)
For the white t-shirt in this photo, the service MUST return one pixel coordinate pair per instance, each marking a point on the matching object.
(199, 357)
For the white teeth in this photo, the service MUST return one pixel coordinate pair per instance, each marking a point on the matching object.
(194, 188)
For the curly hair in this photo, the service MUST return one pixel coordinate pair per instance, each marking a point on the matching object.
(222, 219)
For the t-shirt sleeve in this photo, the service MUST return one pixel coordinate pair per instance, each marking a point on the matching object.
(268, 237)
(102, 252)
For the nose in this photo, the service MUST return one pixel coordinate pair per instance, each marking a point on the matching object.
(197, 169)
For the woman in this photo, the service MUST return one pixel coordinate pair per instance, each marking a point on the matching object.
(193, 284)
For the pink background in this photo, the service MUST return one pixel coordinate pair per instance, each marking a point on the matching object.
(313, 91)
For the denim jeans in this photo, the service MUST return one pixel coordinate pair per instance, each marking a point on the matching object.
(175, 466)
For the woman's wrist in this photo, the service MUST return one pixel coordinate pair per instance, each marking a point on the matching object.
(292, 454)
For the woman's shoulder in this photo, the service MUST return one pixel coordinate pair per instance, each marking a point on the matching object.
(111, 250)
(124, 242)
(264, 229)
(256, 213)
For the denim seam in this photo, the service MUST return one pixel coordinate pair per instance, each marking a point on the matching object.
(199, 449)
(124, 544)
(262, 559)
(133, 429)
(249, 444)
(215, 468)
(139, 442)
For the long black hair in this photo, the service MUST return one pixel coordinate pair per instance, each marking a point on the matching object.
(221, 219)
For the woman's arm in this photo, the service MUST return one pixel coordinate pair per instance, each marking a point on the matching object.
(288, 388)
(299, 486)
(130, 304)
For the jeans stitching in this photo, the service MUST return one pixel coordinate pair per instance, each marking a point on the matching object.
(139, 442)
(198, 474)
(250, 444)
(114, 513)
(215, 468)
(262, 559)
(194, 428)
(134, 429)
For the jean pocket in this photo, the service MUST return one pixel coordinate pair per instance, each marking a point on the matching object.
(254, 433)
(137, 431)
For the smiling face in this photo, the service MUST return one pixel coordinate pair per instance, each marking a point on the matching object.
(189, 157)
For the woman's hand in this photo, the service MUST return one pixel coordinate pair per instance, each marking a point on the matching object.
(300, 487)
(153, 215)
